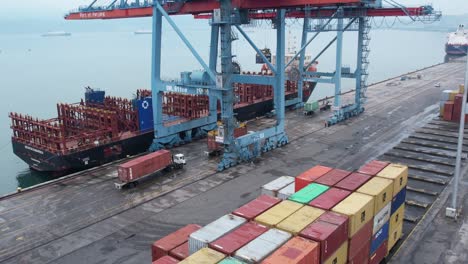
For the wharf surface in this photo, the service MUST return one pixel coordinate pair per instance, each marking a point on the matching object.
(84, 219)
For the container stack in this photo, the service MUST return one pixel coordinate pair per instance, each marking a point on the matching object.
(451, 104)
(323, 215)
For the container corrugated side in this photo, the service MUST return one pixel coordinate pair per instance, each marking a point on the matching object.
(162, 247)
(398, 173)
(379, 188)
(278, 213)
(272, 188)
(397, 216)
(231, 260)
(398, 200)
(259, 248)
(298, 250)
(379, 237)
(333, 177)
(256, 207)
(394, 236)
(340, 256)
(308, 193)
(379, 254)
(238, 238)
(373, 167)
(361, 256)
(309, 176)
(166, 260)
(205, 256)
(353, 181)
(330, 198)
(213, 231)
(181, 252)
(359, 208)
(381, 217)
(361, 238)
(287, 191)
(300, 219)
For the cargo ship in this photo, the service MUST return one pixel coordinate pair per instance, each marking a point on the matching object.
(102, 128)
(457, 42)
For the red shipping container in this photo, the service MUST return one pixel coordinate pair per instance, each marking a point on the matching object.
(166, 260)
(360, 239)
(256, 207)
(333, 177)
(457, 107)
(373, 167)
(330, 198)
(144, 165)
(330, 236)
(334, 218)
(238, 238)
(296, 251)
(353, 181)
(379, 254)
(309, 176)
(362, 256)
(162, 247)
(181, 252)
(448, 111)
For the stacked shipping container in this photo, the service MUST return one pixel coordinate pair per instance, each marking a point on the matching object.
(451, 104)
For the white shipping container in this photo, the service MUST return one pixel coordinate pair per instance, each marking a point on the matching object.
(381, 218)
(287, 191)
(259, 248)
(272, 188)
(445, 95)
(214, 230)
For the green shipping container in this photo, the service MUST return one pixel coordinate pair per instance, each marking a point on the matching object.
(308, 193)
(311, 106)
(231, 260)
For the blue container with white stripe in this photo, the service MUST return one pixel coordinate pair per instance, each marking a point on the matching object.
(398, 200)
(379, 237)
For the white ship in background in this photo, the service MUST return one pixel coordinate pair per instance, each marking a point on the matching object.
(457, 42)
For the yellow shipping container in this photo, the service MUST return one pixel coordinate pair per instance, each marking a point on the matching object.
(397, 217)
(398, 174)
(360, 209)
(461, 88)
(278, 213)
(205, 256)
(299, 220)
(340, 256)
(452, 95)
(441, 109)
(379, 188)
(394, 235)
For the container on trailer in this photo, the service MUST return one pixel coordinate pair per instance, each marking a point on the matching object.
(144, 165)
(340, 256)
(309, 176)
(379, 237)
(397, 217)
(238, 238)
(333, 177)
(278, 213)
(330, 236)
(205, 256)
(214, 230)
(162, 247)
(308, 193)
(379, 254)
(373, 167)
(287, 191)
(394, 235)
(300, 219)
(330, 198)
(359, 208)
(448, 110)
(398, 200)
(353, 181)
(272, 188)
(259, 248)
(166, 260)
(256, 207)
(231, 260)
(381, 217)
(361, 238)
(181, 252)
(379, 188)
(298, 250)
(398, 174)
(361, 256)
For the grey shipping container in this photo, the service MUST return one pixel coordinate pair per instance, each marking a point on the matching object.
(287, 191)
(272, 188)
(259, 248)
(214, 230)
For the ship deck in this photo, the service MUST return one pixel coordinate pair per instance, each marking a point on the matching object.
(84, 219)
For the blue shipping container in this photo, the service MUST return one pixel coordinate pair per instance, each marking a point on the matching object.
(379, 237)
(96, 97)
(145, 114)
(398, 200)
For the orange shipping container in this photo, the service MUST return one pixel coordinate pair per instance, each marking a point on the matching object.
(309, 176)
(296, 251)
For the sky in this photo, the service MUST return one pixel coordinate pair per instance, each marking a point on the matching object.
(53, 8)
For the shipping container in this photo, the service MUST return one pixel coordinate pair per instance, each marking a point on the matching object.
(373, 168)
(300, 219)
(298, 250)
(379, 254)
(308, 193)
(287, 191)
(445, 95)
(214, 230)
(379, 188)
(272, 188)
(379, 237)
(166, 260)
(162, 247)
(309, 176)
(398, 174)
(353, 181)
(361, 238)
(340, 256)
(231, 260)
(278, 213)
(333, 177)
(144, 165)
(398, 200)
(256, 207)
(181, 252)
(381, 217)
(205, 256)
(330, 198)
(259, 248)
(238, 238)
(461, 88)
(335, 218)
(330, 237)
(397, 217)
(361, 256)
(457, 107)
(359, 208)
(394, 235)
(448, 110)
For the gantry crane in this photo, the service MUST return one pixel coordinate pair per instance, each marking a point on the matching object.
(225, 15)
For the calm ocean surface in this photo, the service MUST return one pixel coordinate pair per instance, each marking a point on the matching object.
(38, 72)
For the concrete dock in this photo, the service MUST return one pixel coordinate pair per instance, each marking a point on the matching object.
(84, 219)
